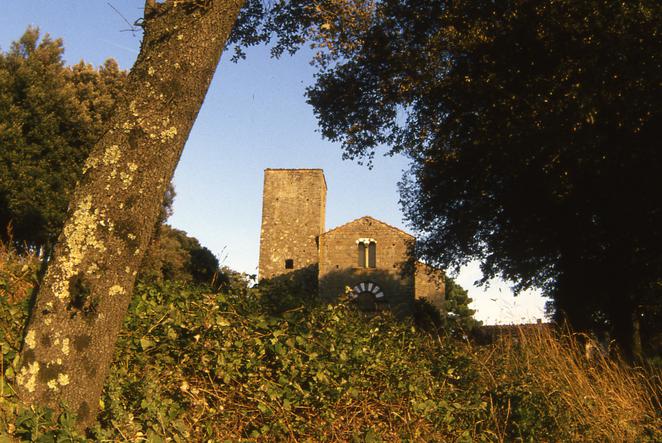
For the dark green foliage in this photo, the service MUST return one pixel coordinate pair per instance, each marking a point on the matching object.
(173, 255)
(527, 408)
(203, 264)
(193, 366)
(12, 317)
(51, 117)
(43, 426)
(459, 316)
(533, 129)
(427, 316)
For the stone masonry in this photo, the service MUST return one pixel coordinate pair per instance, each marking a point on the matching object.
(340, 267)
(293, 206)
(429, 284)
(365, 258)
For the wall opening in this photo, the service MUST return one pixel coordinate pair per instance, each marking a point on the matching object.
(289, 263)
(366, 301)
(372, 255)
(367, 252)
(361, 255)
(367, 295)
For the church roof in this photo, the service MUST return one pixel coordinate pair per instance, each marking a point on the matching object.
(370, 218)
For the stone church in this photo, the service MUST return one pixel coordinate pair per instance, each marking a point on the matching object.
(365, 258)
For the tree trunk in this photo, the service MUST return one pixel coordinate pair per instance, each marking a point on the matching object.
(624, 317)
(78, 312)
(637, 347)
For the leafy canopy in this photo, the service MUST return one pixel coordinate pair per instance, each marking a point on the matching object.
(533, 130)
(50, 117)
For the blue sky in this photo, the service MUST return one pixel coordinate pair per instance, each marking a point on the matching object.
(254, 117)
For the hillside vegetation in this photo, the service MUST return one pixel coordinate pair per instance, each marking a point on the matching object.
(194, 365)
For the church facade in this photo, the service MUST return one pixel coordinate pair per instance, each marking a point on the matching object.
(365, 259)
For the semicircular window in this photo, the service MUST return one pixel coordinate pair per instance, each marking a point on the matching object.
(367, 294)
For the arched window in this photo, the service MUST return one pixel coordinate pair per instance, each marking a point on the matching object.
(367, 249)
(372, 255)
(361, 255)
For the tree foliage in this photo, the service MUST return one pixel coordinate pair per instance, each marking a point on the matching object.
(453, 318)
(51, 115)
(460, 317)
(174, 255)
(533, 130)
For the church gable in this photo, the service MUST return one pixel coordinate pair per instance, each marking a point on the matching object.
(369, 252)
(367, 222)
(363, 243)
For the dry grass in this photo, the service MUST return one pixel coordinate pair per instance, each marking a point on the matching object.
(601, 397)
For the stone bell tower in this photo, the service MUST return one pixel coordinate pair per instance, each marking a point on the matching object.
(293, 208)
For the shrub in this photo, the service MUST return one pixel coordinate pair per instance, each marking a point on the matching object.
(222, 365)
(193, 365)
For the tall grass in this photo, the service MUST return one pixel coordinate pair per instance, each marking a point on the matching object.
(591, 396)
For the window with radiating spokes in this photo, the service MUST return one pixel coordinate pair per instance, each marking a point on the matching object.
(367, 294)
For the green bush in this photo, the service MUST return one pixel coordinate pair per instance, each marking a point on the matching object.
(194, 365)
(222, 364)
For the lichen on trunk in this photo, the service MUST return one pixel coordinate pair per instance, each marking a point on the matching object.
(79, 309)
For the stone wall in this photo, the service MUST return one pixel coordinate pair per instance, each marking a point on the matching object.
(293, 243)
(293, 209)
(339, 261)
(429, 284)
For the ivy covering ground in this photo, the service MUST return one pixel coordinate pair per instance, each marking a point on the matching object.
(193, 365)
